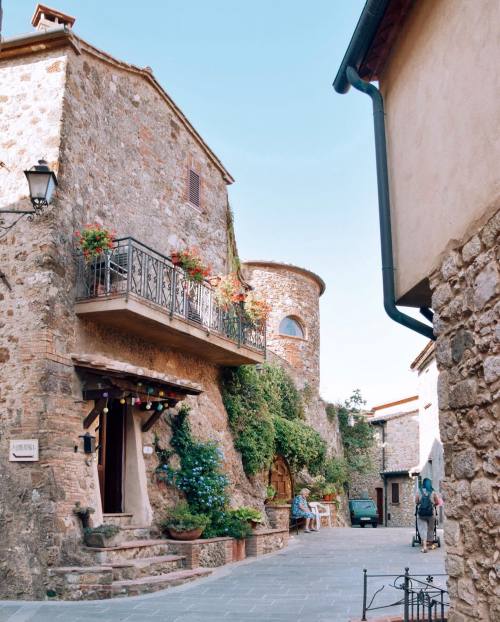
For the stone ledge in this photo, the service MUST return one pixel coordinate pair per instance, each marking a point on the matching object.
(266, 541)
(209, 553)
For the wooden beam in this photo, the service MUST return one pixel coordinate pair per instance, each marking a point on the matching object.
(152, 420)
(94, 413)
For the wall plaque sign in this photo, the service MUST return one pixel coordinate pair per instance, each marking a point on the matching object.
(25, 450)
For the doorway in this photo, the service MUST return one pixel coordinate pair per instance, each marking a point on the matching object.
(111, 456)
(380, 505)
(280, 477)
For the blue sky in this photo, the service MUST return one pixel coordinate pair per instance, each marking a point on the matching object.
(254, 77)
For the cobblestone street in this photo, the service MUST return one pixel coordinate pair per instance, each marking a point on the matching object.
(317, 579)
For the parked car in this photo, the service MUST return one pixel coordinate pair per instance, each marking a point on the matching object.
(363, 512)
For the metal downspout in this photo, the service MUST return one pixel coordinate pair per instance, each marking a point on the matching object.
(384, 210)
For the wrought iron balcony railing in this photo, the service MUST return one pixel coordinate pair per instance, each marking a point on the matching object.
(131, 267)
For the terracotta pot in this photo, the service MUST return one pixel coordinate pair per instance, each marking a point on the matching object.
(193, 534)
(327, 497)
(239, 550)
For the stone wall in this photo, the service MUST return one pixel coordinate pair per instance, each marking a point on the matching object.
(402, 513)
(467, 308)
(396, 450)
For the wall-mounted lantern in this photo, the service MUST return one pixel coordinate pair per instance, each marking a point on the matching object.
(88, 443)
(42, 183)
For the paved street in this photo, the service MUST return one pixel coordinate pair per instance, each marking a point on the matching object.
(317, 579)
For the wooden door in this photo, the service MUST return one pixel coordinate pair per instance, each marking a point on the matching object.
(280, 477)
(380, 505)
(111, 457)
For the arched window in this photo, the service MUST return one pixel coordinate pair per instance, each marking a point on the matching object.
(291, 327)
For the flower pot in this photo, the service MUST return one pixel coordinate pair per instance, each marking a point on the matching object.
(239, 550)
(328, 497)
(192, 534)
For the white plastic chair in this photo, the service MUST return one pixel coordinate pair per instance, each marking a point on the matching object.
(320, 510)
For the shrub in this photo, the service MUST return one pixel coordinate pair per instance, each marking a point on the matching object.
(336, 471)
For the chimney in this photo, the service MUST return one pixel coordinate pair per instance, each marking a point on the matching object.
(44, 18)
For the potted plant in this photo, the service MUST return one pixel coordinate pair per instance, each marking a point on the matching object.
(103, 536)
(229, 291)
(239, 529)
(256, 309)
(270, 493)
(182, 524)
(190, 261)
(329, 492)
(252, 516)
(94, 240)
(83, 513)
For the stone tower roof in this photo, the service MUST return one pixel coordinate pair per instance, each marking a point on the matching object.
(287, 266)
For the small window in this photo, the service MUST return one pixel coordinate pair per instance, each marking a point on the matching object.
(193, 188)
(291, 327)
(395, 493)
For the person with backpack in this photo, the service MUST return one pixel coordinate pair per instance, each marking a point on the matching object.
(426, 500)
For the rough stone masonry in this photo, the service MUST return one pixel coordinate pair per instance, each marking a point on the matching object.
(467, 309)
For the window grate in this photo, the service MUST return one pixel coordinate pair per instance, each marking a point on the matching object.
(194, 188)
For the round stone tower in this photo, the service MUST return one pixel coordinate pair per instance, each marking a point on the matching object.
(293, 324)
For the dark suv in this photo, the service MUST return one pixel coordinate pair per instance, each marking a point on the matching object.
(363, 512)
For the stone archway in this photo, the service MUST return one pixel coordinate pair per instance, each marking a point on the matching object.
(280, 477)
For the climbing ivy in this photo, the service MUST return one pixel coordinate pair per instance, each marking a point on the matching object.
(300, 444)
(265, 412)
(249, 417)
(358, 438)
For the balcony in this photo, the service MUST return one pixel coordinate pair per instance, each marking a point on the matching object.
(136, 289)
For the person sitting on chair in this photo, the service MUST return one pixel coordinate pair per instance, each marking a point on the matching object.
(301, 509)
(426, 500)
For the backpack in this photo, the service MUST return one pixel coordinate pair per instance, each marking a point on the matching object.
(425, 508)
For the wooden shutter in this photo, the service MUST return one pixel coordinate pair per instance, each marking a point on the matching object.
(194, 188)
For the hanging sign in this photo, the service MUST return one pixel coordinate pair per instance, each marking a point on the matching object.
(25, 450)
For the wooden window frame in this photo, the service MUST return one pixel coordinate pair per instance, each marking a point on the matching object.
(395, 486)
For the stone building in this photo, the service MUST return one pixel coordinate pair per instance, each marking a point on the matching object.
(431, 460)
(293, 333)
(394, 457)
(102, 349)
(439, 194)
(98, 352)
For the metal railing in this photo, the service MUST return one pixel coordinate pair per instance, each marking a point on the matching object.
(422, 600)
(131, 267)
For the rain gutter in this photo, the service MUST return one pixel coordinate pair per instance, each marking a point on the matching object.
(347, 76)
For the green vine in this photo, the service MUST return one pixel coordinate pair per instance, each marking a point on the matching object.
(233, 259)
(357, 434)
(265, 413)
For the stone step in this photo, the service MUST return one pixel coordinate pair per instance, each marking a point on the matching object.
(122, 519)
(144, 585)
(136, 549)
(147, 567)
(136, 532)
